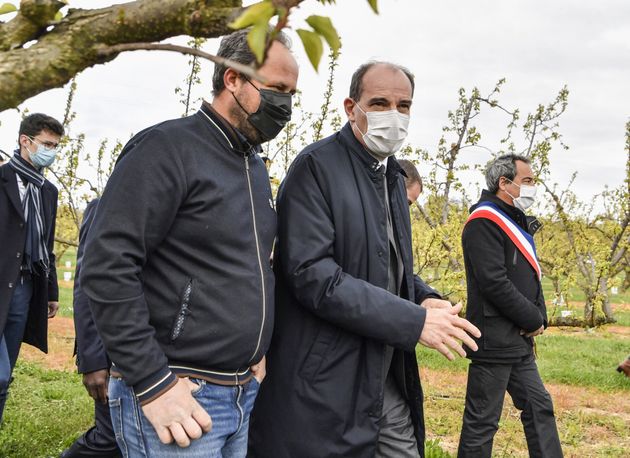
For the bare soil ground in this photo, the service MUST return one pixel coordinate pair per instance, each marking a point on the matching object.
(591, 423)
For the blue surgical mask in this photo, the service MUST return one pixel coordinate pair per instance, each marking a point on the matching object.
(42, 157)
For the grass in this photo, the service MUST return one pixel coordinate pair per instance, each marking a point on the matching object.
(582, 359)
(45, 412)
(623, 317)
(577, 295)
(48, 409)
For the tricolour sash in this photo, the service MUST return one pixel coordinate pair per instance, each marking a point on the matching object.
(523, 241)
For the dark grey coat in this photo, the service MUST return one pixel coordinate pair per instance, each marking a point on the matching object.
(323, 395)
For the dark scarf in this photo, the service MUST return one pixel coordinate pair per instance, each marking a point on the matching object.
(36, 253)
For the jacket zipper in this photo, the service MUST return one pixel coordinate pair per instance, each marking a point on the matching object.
(183, 312)
(262, 275)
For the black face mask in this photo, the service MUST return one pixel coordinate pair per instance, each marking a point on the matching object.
(273, 113)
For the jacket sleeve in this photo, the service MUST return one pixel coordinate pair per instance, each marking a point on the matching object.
(306, 243)
(91, 355)
(542, 306)
(53, 286)
(483, 246)
(136, 211)
(423, 291)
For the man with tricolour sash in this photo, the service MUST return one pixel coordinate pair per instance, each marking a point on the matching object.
(505, 301)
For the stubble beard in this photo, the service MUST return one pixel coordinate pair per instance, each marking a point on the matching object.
(244, 126)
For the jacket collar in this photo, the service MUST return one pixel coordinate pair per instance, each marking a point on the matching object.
(517, 215)
(372, 164)
(236, 139)
(9, 183)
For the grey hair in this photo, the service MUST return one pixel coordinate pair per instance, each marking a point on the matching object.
(502, 166)
(235, 47)
(356, 83)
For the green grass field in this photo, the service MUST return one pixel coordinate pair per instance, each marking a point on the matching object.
(580, 359)
(48, 409)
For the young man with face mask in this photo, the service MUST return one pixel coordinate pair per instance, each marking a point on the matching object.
(505, 300)
(28, 278)
(343, 377)
(176, 266)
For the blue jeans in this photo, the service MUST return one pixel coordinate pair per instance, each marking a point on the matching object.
(228, 406)
(12, 335)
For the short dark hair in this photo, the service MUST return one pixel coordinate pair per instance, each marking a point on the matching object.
(33, 124)
(235, 47)
(356, 83)
(412, 173)
(502, 166)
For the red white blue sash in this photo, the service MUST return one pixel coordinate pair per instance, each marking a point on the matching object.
(523, 241)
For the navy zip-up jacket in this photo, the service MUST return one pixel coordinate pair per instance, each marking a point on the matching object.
(177, 270)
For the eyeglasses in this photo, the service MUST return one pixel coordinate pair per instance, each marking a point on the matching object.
(48, 145)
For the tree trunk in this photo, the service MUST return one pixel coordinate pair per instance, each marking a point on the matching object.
(604, 298)
(589, 307)
(72, 44)
(576, 322)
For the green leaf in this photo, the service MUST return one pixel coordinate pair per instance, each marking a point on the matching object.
(312, 45)
(257, 40)
(323, 25)
(58, 16)
(255, 14)
(373, 4)
(7, 8)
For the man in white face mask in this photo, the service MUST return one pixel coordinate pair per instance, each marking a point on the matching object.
(506, 302)
(343, 377)
(380, 118)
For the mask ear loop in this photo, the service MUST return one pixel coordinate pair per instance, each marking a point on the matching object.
(354, 124)
(239, 104)
(513, 198)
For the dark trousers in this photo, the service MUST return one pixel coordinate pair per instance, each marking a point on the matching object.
(99, 440)
(487, 384)
(12, 334)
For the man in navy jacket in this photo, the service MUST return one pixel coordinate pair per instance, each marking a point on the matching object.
(343, 376)
(92, 362)
(177, 272)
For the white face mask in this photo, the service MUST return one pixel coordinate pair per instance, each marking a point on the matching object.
(526, 198)
(386, 132)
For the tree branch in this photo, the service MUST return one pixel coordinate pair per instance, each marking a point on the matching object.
(106, 51)
(72, 44)
(31, 20)
(67, 242)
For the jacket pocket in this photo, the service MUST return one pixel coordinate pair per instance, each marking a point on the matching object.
(184, 311)
(318, 352)
(499, 333)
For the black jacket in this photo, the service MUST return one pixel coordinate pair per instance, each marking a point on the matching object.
(323, 395)
(12, 240)
(177, 270)
(91, 355)
(504, 293)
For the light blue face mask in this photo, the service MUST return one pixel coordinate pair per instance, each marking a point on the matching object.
(42, 157)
